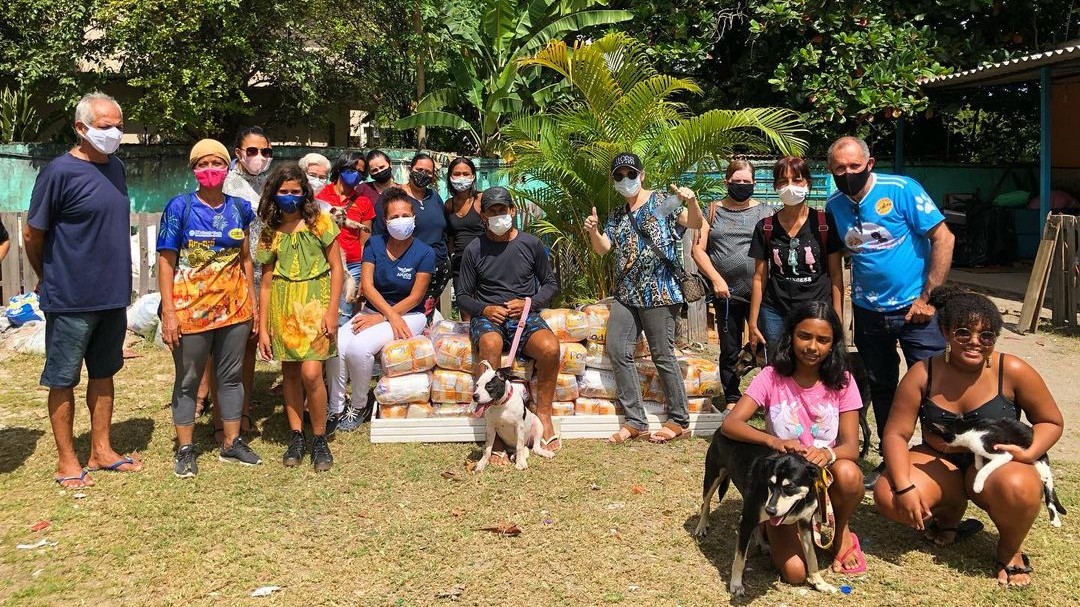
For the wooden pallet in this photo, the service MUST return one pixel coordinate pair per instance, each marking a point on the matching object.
(471, 430)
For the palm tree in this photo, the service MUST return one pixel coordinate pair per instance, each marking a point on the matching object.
(617, 102)
(489, 82)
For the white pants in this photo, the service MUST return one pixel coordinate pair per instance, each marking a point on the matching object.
(356, 359)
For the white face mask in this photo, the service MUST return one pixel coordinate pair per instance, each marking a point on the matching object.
(628, 187)
(256, 164)
(500, 224)
(462, 184)
(401, 228)
(316, 183)
(105, 141)
(792, 195)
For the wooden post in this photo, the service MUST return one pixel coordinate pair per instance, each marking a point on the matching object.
(1040, 276)
(10, 281)
(697, 315)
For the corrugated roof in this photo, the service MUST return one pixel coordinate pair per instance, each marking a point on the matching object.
(1066, 62)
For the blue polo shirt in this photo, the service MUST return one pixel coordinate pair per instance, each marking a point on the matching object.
(84, 210)
(394, 278)
(886, 237)
(430, 221)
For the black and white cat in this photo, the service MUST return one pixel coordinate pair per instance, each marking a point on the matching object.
(980, 436)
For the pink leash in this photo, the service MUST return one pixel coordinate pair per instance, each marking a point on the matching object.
(520, 329)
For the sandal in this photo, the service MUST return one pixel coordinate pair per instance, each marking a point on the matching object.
(625, 434)
(964, 530)
(546, 443)
(1011, 570)
(856, 549)
(670, 431)
(499, 458)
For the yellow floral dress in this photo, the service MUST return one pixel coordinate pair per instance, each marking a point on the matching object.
(300, 292)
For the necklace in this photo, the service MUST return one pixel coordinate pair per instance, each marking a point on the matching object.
(218, 221)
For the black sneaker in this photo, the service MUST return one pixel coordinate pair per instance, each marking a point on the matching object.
(294, 454)
(240, 453)
(872, 477)
(332, 423)
(186, 467)
(321, 457)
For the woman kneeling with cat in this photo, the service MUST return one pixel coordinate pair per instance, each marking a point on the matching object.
(929, 486)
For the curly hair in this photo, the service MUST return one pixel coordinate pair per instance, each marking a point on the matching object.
(270, 214)
(957, 307)
(834, 366)
(394, 194)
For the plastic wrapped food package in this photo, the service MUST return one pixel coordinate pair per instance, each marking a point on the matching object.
(451, 386)
(560, 408)
(651, 388)
(454, 352)
(596, 356)
(393, 411)
(448, 327)
(403, 389)
(642, 349)
(597, 383)
(454, 409)
(420, 410)
(521, 369)
(404, 356)
(700, 405)
(701, 375)
(595, 406)
(596, 317)
(567, 325)
(571, 358)
(566, 387)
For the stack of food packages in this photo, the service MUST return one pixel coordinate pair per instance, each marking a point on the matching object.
(432, 376)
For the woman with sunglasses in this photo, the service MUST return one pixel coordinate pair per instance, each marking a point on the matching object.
(928, 487)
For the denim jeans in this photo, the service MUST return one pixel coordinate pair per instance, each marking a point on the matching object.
(771, 324)
(625, 324)
(731, 316)
(345, 310)
(876, 334)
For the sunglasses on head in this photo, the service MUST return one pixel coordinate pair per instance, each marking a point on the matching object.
(631, 174)
(251, 151)
(962, 335)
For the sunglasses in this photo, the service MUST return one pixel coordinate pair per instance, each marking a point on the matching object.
(251, 151)
(631, 174)
(962, 335)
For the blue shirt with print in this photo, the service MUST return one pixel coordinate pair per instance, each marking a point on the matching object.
(197, 230)
(643, 280)
(886, 237)
(394, 278)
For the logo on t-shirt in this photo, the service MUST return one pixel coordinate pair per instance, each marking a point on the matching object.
(405, 273)
(883, 207)
(203, 234)
(873, 237)
(236, 234)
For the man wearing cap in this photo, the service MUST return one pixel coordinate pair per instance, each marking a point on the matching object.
(643, 231)
(78, 241)
(499, 269)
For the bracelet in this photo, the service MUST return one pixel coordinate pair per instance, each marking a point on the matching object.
(832, 456)
(904, 490)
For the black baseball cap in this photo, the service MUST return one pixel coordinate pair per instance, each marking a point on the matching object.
(494, 196)
(626, 160)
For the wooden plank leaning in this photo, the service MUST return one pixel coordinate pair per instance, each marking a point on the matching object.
(1040, 274)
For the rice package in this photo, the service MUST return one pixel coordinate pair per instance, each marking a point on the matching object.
(596, 317)
(700, 405)
(393, 411)
(595, 406)
(597, 383)
(701, 376)
(560, 408)
(567, 325)
(596, 356)
(454, 409)
(404, 356)
(642, 350)
(454, 352)
(566, 387)
(420, 410)
(572, 358)
(520, 369)
(448, 327)
(403, 389)
(652, 389)
(451, 386)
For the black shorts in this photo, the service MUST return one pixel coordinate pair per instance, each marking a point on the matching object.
(70, 338)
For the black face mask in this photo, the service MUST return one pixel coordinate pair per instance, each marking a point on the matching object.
(382, 176)
(363, 175)
(420, 179)
(740, 191)
(852, 183)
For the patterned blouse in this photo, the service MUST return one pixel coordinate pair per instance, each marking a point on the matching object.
(642, 279)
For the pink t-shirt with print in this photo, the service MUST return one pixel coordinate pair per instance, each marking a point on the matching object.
(788, 406)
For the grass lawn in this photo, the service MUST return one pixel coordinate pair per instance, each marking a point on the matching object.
(401, 524)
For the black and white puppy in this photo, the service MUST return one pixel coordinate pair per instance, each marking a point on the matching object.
(777, 488)
(980, 436)
(506, 416)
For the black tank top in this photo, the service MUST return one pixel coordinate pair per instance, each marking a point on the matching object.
(998, 407)
(463, 230)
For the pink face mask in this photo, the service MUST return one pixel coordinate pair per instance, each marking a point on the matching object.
(211, 177)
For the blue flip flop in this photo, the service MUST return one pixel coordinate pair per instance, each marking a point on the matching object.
(115, 466)
(60, 480)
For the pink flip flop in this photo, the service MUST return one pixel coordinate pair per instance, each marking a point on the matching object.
(860, 566)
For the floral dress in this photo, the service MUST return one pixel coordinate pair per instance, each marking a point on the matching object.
(300, 291)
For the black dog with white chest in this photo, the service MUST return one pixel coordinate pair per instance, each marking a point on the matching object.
(777, 489)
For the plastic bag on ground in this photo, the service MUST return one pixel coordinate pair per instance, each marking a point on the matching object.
(403, 389)
(22, 309)
(142, 316)
(571, 358)
(27, 339)
(596, 356)
(597, 383)
(596, 318)
(404, 356)
(595, 406)
(451, 386)
(560, 408)
(566, 387)
(567, 325)
(454, 352)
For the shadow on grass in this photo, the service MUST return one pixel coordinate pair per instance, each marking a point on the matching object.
(16, 446)
(718, 546)
(127, 436)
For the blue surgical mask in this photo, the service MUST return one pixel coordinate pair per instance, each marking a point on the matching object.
(288, 203)
(350, 177)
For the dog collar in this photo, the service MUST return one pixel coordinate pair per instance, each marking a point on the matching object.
(480, 409)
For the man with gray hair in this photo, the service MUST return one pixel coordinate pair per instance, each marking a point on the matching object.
(900, 251)
(78, 242)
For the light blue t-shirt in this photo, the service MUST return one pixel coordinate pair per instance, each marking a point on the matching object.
(890, 253)
(394, 278)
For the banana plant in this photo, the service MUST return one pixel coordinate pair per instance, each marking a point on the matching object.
(488, 81)
(561, 156)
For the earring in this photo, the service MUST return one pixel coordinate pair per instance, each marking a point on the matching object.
(948, 348)
(987, 361)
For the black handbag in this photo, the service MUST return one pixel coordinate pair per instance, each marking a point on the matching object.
(693, 287)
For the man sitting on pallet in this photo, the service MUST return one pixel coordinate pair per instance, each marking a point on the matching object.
(506, 279)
